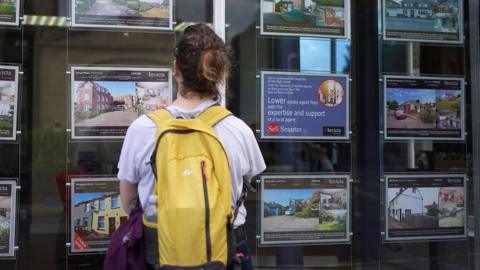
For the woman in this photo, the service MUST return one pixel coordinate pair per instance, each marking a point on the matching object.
(201, 65)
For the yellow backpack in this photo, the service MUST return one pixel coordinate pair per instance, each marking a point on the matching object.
(195, 218)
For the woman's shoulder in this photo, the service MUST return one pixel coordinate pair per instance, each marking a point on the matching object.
(235, 125)
(141, 125)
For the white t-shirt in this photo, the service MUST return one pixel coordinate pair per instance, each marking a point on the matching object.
(238, 140)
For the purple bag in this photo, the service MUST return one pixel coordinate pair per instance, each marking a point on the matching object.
(126, 248)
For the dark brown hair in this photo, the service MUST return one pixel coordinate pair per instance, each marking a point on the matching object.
(202, 58)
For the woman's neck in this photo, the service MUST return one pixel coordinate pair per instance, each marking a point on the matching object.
(190, 101)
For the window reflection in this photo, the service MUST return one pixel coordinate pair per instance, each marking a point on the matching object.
(324, 55)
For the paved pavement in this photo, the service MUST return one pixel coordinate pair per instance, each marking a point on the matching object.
(110, 8)
(412, 121)
(290, 223)
(119, 118)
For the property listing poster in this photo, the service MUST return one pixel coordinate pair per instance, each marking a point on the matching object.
(96, 213)
(425, 207)
(326, 18)
(9, 12)
(8, 102)
(143, 14)
(304, 209)
(304, 106)
(7, 217)
(106, 100)
(439, 21)
(424, 108)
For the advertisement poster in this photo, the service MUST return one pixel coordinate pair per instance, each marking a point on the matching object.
(140, 14)
(106, 100)
(425, 207)
(7, 217)
(319, 18)
(439, 21)
(424, 108)
(305, 209)
(10, 12)
(96, 213)
(8, 102)
(304, 106)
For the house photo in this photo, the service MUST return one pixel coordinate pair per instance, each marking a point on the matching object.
(410, 108)
(282, 15)
(448, 103)
(151, 96)
(95, 216)
(136, 8)
(104, 103)
(451, 206)
(5, 216)
(7, 104)
(333, 199)
(289, 210)
(422, 15)
(413, 207)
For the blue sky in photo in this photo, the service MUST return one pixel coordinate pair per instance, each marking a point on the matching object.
(283, 196)
(115, 88)
(402, 95)
(81, 197)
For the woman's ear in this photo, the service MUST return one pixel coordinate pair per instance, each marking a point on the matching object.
(176, 70)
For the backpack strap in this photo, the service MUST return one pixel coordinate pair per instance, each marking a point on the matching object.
(214, 114)
(160, 116)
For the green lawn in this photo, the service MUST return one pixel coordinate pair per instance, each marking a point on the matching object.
(6, 123)
(7, 8)
(447, 105)
(331, 226)
(451, 222)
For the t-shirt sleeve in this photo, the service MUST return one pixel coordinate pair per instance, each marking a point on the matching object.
(254, 156)
(127, 164)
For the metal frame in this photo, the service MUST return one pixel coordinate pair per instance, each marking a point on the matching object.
(15, 83)
(18, 3)
(73, 181)
(419, 176)
(102, 26)
(460, 33)
(462, 109)
(347, 26)
(344, 240)
(13, 215)
(73, 69)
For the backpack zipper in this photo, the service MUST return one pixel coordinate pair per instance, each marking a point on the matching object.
(207, 213)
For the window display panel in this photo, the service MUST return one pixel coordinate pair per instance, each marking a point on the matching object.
(304, 209)
(8, 102)
(425, 207)
(327, 18)
(96, 212)
(424, 108)
(143, 14)
(436, 21)
(304, 106)
(8, 208)
(106, 100)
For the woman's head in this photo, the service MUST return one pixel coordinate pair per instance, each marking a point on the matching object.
(202, 59)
